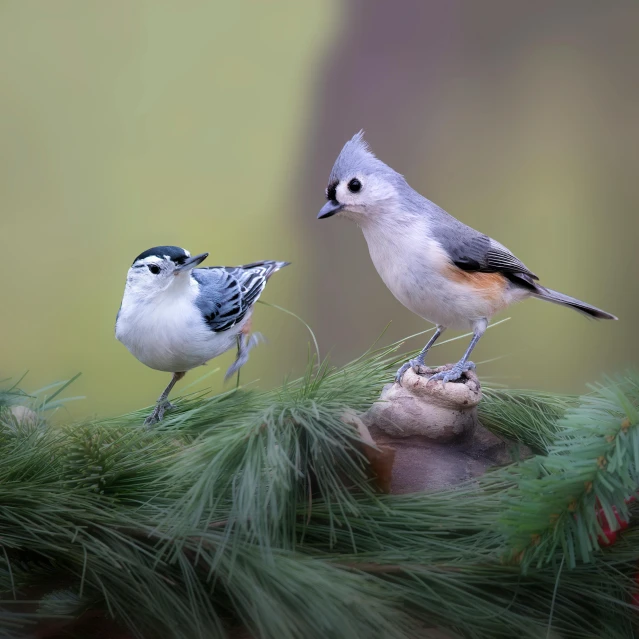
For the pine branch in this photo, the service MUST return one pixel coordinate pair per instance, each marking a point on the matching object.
(592, 464)
(530, 417)
(254, 508)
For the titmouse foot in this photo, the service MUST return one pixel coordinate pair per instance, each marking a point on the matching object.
(453, 374)
(400, 373)
(416, 364)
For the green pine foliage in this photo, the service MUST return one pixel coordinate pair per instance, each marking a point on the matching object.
(531, 417)
(255, 512)
(592, 464)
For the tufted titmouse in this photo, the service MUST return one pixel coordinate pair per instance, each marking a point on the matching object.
(439, 268)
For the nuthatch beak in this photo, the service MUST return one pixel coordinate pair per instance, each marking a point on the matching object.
(191, 263)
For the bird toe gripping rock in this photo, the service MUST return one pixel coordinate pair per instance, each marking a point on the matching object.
(450, 373)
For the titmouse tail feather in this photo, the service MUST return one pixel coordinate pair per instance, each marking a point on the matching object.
(565, 300)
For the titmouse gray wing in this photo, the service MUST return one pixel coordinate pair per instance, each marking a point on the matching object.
(471, 250)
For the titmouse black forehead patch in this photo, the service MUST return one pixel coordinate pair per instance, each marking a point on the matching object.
(331, 191)
(174, 253)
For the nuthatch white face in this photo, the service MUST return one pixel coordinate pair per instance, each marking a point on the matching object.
(157, 269)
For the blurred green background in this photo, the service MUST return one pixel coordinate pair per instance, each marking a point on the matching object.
(214, 125)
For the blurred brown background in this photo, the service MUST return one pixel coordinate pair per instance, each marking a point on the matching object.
(214, 126)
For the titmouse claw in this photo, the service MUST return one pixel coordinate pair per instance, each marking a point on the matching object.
(416, 364)
(400, 373)
(453, 374)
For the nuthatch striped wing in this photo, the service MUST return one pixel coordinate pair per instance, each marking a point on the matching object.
(174, 316)
(436, 266)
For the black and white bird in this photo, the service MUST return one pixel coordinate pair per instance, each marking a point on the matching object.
(174, 317)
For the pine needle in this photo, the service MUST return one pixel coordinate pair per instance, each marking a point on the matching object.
(254, 510)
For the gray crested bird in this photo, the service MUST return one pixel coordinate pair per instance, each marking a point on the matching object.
(436, 266)
(174, 316)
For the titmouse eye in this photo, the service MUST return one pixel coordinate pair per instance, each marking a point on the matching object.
(354, 186)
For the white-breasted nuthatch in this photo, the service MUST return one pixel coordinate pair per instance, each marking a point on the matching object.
(436, 266)
(174, 317)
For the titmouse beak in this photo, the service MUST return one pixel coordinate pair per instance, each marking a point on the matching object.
(329, 209)
(191, 263)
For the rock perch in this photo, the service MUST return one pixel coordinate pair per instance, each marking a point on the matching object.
(431, 432)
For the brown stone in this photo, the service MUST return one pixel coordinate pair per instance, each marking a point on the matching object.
(380, 458)
(439, 412)
(434, 432)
